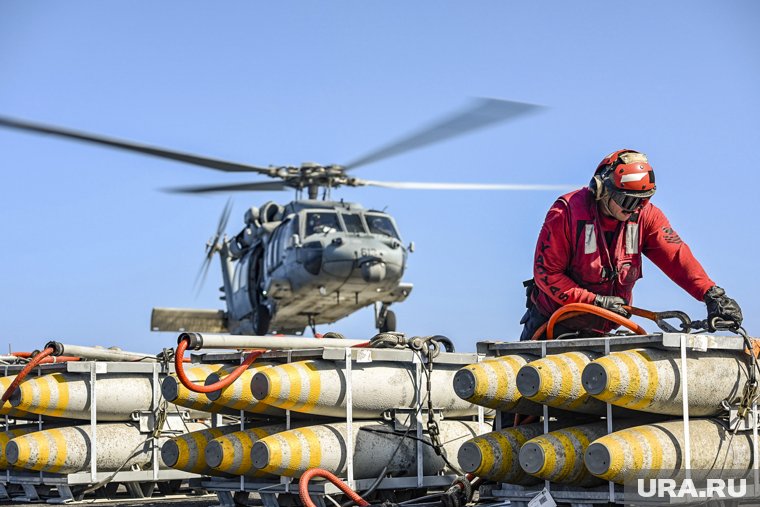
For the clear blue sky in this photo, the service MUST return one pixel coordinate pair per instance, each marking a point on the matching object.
(89, 244)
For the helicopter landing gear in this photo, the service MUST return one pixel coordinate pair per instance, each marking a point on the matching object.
(260, 320)
(312, 325)
(385, 319)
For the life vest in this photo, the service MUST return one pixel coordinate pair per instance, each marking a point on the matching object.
(607, 270)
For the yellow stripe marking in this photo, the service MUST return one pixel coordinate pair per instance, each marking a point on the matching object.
(60, 454)
(614, 378)
(486, 446)
(43, 448)
(648, 398)
(614, 444)
(314, 394)
(580, 442)
(59, 391)
(244, 460)
(23, 444)
(629, 393)
(292, 466)
(573, 378)
(568, 440)
(292, 397)
(315, 449)
(545, 384)
(274, 379)
(228, 451)
(274, 445)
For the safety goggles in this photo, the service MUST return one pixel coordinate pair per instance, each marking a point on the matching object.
(628, 203)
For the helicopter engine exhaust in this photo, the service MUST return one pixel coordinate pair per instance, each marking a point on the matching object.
(373, 271)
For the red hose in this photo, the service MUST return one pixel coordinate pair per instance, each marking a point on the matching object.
(226, 381)
(542, 327)
(23, 373)
(595, 310)
(303, 487)
(54, 359)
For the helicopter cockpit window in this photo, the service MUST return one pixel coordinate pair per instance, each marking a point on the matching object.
(353, 223)
(381, 224)
(322, 222)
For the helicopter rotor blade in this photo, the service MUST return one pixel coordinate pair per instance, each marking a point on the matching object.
(209, 163)
(412, 185)
(224, 218)
(233, 187)
(211, 247)
(481, 113)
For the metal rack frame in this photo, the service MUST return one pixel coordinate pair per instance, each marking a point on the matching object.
(230, 491)
(519, 496)
(33, 483)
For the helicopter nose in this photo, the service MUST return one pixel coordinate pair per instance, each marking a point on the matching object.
(373, 271)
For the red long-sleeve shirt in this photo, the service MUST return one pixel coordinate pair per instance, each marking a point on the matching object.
(564, 276)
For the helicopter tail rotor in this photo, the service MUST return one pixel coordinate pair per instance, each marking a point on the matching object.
(213, 246)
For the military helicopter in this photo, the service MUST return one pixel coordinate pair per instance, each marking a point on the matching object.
(311, 261)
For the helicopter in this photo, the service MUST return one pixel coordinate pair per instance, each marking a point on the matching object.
(313, 260)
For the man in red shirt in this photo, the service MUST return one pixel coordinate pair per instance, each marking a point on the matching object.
(589, 251)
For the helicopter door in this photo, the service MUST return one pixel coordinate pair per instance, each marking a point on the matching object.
(278, 244)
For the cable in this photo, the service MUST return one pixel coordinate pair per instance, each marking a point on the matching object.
(23, 373)
(225, 382)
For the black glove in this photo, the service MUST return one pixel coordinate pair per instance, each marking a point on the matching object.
(722, 307)
(612, 303)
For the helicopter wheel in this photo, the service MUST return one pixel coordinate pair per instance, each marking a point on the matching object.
(260, 320)
(389, 322)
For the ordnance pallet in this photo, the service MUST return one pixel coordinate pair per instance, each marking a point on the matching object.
(496, 495)
(28, 486)
(274, 493)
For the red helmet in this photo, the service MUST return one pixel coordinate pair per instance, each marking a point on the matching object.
(628, 177)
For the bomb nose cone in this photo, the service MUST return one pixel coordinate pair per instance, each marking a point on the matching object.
(260, 386)
(528, 381)
(597, 459)
(214, 454)
(464, 384)
(260, 455)
(170, 453)
(213, 379)
(532, 457)
(11, 452)
(470, 457)
(594, 378)
(170, 388)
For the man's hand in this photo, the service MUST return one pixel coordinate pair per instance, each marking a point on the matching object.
(612, 303)
(721, 307)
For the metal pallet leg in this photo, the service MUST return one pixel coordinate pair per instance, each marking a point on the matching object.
(140, 489)
(65, 495)
(269, 499)
(30, 494)
(225, 499)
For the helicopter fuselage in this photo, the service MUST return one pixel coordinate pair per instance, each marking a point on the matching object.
(310, 262)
